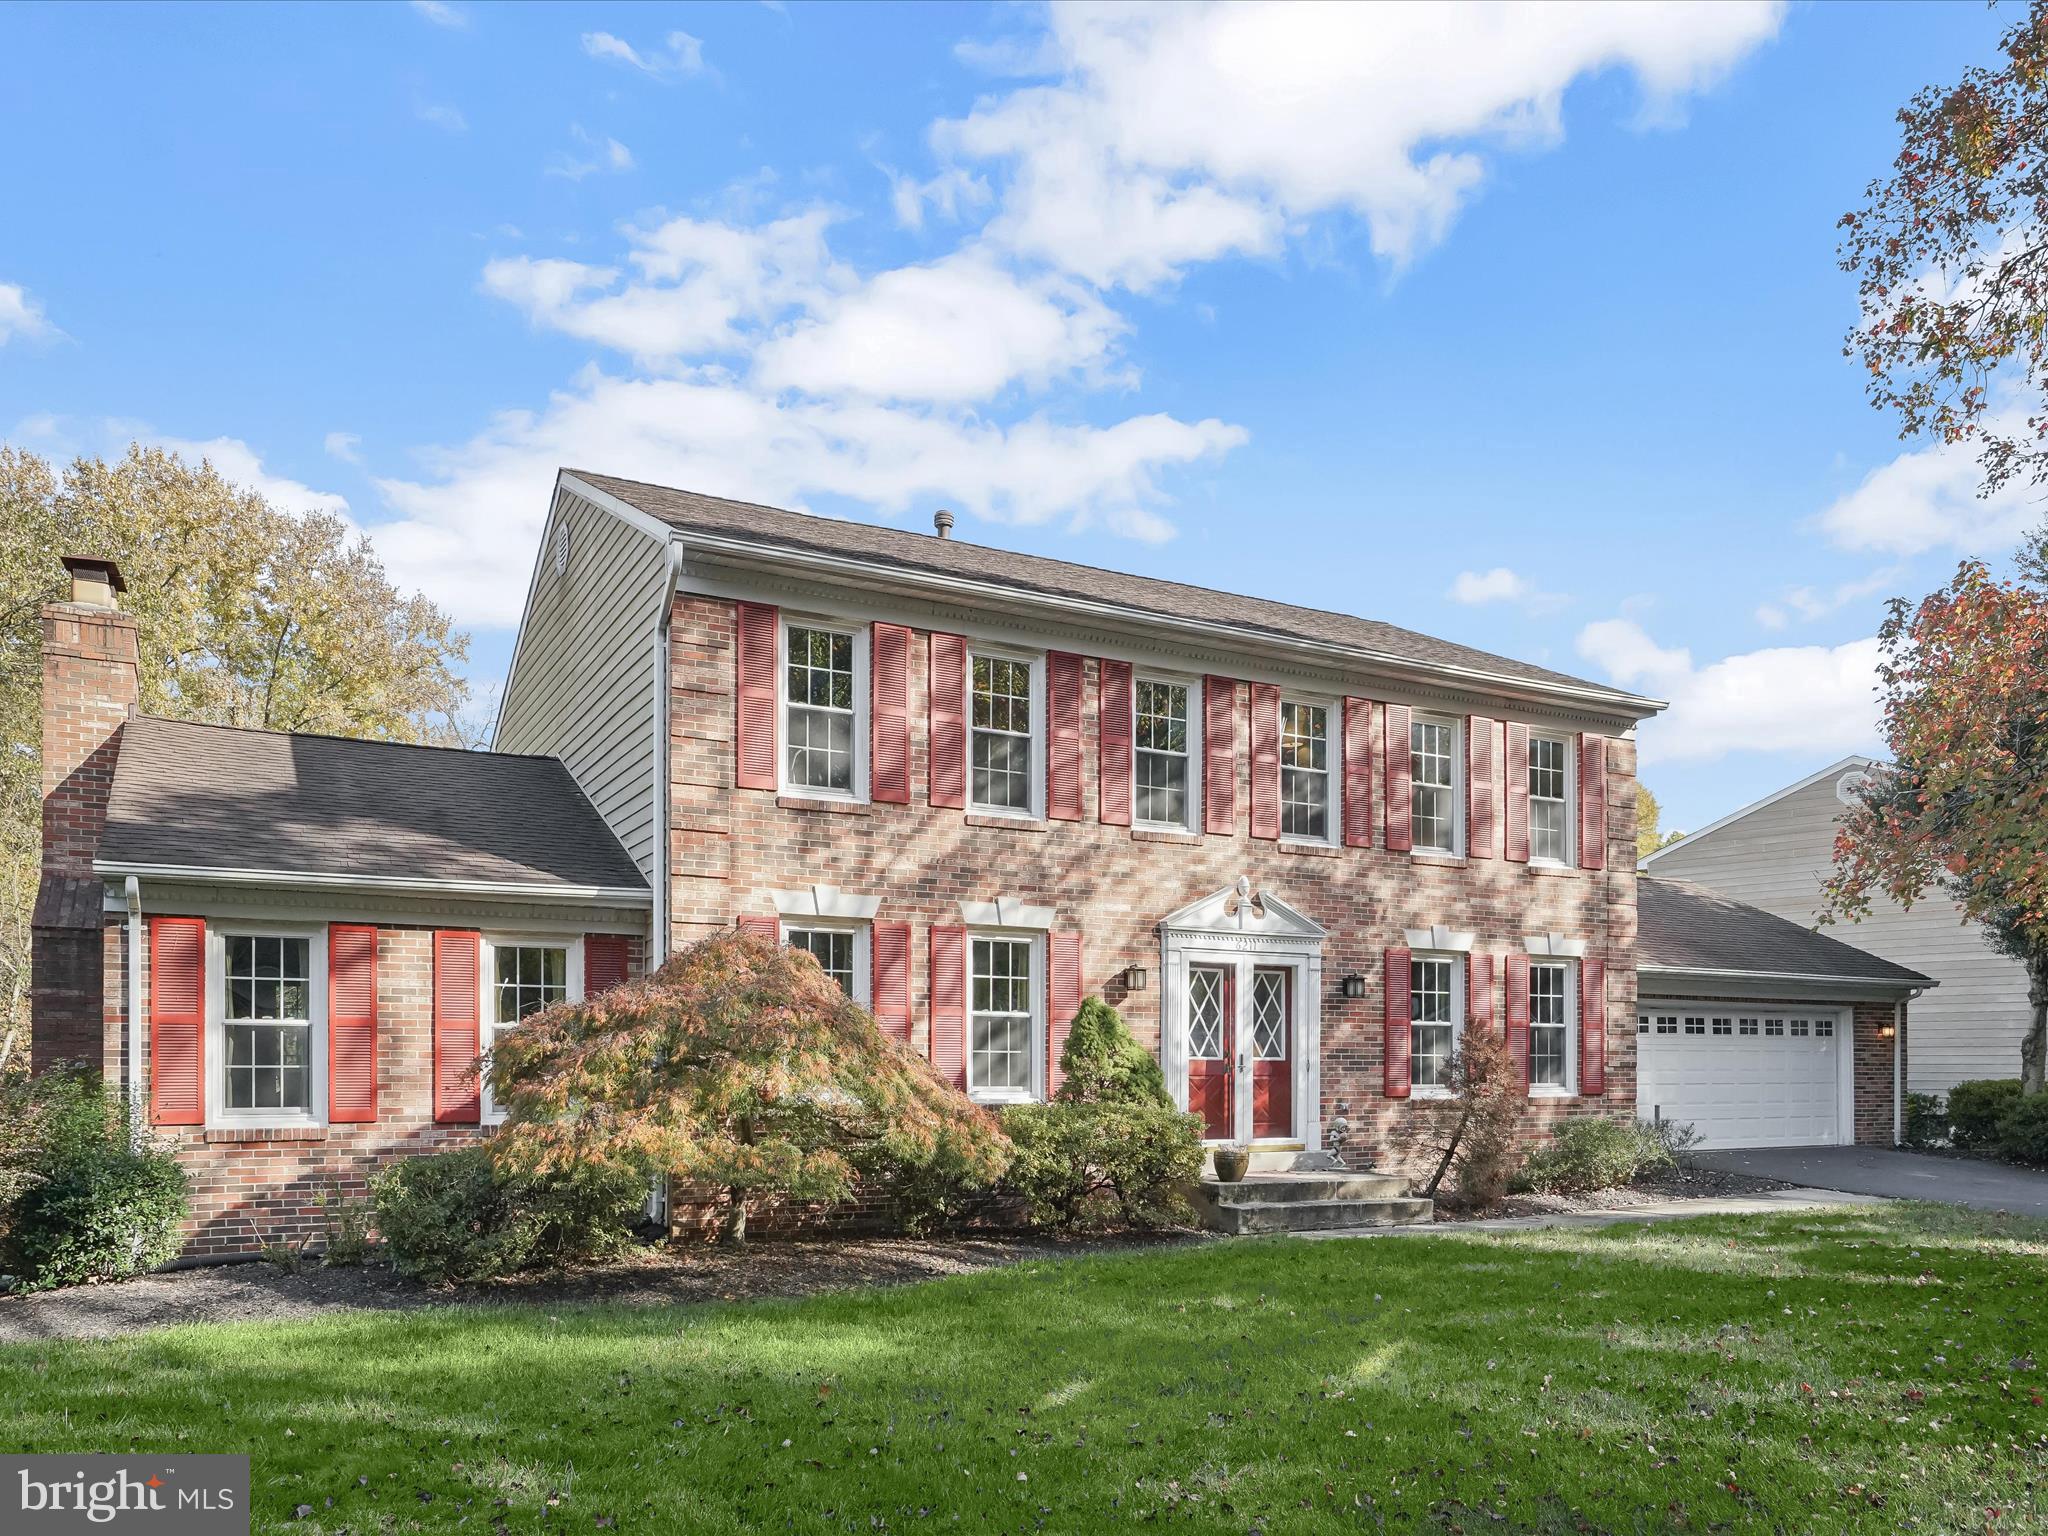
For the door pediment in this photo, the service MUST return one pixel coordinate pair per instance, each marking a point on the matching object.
(1240, 910)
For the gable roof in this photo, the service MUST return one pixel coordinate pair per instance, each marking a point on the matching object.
(213, 798)
(1853, 760)
(1681, 926)
(772, 528)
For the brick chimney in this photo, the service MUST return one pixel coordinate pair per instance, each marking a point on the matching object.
(90, 690)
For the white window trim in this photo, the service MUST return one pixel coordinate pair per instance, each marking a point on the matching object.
(1035, 1094)
(1040, 764)
(863, 963)
(1459, 997)
(1570, 1090)
(1571, 802)
(858, 633)
(218, 1115)
(1196, 716)
(1459, 775)
(487, 994)
(1333, 758)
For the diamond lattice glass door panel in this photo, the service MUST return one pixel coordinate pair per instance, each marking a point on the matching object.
(1272, 1053)
(1209, 1011)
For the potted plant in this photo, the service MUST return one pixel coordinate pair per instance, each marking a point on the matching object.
(1232, 1162)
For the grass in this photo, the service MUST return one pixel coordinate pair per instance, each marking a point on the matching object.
(1861, 1370)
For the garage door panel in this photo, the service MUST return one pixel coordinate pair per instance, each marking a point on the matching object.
(1779, 1084)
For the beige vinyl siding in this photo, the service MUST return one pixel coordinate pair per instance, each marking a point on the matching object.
(1778, 858)
(584, 685)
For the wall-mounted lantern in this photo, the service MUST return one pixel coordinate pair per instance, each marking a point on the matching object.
(1354, 985)
(1135, 979)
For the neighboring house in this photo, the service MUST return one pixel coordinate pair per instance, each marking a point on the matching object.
(1778, 853)
(1302, 852)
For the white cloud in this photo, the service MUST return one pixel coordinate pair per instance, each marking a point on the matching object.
(22, 316)
(346, 446)
(680, 53)
(1812, 699)
(598, 154)
(440, 13)
(1927, 499)
(1178, 134)
(240, 463)
(1809, 603)
(1499, 585)
(951, 192)
(466, 529)
(441, 115)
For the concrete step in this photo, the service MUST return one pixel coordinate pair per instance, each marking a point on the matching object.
(1315, 1215)
(1264, 1188)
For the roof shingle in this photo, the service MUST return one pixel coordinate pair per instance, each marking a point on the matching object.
(1685, 927)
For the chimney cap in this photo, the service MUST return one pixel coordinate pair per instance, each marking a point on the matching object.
(94, 568)
(942, 521)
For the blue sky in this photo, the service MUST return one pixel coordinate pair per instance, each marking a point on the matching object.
(1521, 328)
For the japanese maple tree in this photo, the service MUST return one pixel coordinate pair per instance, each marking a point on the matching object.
(740, 1066)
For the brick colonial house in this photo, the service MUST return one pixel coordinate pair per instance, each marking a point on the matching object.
(1301, 851)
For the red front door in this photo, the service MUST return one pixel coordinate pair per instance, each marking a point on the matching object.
(1209, 1049)
(1272, 1063)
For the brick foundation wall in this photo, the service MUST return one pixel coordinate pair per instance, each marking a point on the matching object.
(729, 848)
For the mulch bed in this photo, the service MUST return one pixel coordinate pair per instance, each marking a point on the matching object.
(1655, 1188)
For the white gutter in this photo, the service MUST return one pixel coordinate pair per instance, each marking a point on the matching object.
(137, 1114)
(1878, 983)
(609, 895)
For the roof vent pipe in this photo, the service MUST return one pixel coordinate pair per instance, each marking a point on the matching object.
(942, 520)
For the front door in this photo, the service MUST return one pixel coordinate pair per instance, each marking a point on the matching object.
(1272, 1066)
(1211, 1011)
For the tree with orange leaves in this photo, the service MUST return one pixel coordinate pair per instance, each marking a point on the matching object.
(741, 1066)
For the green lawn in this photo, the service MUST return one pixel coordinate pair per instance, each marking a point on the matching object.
(1862, 1370)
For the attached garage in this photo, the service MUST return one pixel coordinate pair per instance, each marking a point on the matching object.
(1760, 1033)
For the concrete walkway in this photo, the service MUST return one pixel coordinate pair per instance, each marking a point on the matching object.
(1899, 1175)
(1776, 1202)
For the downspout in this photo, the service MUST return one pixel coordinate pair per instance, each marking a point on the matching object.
(132, 893)
(657, 946)
(1898, 1067)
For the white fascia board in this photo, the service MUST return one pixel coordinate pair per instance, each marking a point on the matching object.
(594, 895)
(1680, 978)
(1853, 760)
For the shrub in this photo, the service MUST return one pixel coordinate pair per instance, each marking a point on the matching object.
(928, 1188)
(1103, 1164)
(1926, 1120)
(1471, 1132)
(345, 1226)
(1666, 1143)
(1585, 1155)
(1104, 1063)
(2023, 1129)
(1975, 1109)
(458, 1216)
(87, 1204)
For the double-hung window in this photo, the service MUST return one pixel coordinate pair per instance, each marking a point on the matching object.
(1004, 1006)
(1436, 1014)
(824, 693)
(268, 1025)
(521, 977)
(840, 950)
(1433, 785)
(1003, 726)
(1550, 800)
(1550, 1028)
(1164, 757)
(1305, 771)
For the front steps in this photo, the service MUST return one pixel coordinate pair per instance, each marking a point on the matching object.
(1320, 1197)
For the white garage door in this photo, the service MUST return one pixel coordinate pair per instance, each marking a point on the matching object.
(1757, 1078)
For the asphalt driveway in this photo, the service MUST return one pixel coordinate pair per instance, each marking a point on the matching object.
(1901, 1175)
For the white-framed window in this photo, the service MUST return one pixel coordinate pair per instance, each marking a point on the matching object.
(267, 1026)
(1005, 734)
(1436, 1012)
(841, 950)
(824, 709)
(1166, 757)
(1552, 993)
(1307, 808)
(1550, 800)
(1005, 1016)
(1433, 784)
(524, 973)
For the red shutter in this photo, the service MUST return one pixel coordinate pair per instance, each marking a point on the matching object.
(889, 960)
(754, 707)
(1479, 780)
(458, 972)
(1400, 765)
(1592, 802)
(1592, 1027)
(1113, 744)
(769, 928)
(1063, 736)
(1518, 792)
(946, 749)
(1399, 1020)
(949, 1004)
(1062, 1002)
(1219, 756)
(889, 714)
(606, 959)
(1265, 760)
(351, 1024)
(1358, 773)
(1518, 1017)
(1479, 992)
(177, 1021)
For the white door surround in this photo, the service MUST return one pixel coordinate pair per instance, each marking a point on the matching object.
(1240, 930)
